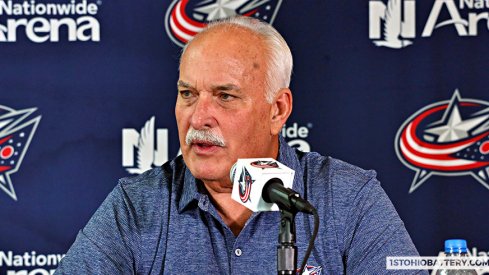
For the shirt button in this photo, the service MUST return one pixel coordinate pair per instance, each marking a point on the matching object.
(238, 252)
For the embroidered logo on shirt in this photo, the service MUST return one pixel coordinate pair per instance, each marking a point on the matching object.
(312, 270)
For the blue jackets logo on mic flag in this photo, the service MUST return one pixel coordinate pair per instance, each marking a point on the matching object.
(15, 137)
(447, 138)
(185, 18)
(264, 164)
(245, 182)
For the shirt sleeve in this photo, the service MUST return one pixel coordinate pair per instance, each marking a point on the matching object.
(107, 243)
(374, 231)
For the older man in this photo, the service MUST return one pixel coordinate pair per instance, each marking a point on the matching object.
(233, 100)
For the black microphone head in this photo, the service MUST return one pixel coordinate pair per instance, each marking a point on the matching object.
(273, 188)
(274, 191)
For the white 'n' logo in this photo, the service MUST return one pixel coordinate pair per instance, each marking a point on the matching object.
(397, 26)
(147, 156)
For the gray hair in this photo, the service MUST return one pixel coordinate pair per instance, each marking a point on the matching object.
(279, 64)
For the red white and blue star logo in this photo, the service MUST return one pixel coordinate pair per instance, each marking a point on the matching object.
(312, 270)
(264, 164)
(185, 18)
(447, 138)
(245, 183)
(16, 131)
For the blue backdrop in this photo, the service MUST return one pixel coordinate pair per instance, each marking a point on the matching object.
(399, 86)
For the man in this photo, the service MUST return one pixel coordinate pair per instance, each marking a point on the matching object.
(233, 100)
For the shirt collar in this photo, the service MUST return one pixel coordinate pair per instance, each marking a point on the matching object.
(193, 190)
(189, 191)
(288, 157)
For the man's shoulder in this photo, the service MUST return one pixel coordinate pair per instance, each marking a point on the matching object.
(334, 173)
(154, 182)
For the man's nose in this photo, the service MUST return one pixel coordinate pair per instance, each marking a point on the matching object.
(202, 116)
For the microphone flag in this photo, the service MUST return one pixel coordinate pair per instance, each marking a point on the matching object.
(249, 176)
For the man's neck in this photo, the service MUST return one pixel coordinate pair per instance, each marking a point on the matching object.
(232, 213)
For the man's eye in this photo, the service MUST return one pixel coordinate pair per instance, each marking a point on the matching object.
(185, 94)
(226, 97)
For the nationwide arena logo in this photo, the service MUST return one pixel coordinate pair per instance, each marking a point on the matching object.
(16, 132)
(145, 149)
(446, 138)
(185, 18)
(28, 263)
(49, 22)
(296, 135)
(148, 147)
(393, 24)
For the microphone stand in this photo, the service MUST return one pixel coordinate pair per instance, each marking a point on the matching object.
(287, 250)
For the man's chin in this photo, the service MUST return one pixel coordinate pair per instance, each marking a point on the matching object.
(204, 171)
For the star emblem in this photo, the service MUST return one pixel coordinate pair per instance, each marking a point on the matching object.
(15, 136)
(245, 183)
(312, 270)
(453, 127)
(455, 145)
(221, 9)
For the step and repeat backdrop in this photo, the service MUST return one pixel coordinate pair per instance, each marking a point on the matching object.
(88, 87)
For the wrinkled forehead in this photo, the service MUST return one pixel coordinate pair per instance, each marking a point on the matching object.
(228, 41)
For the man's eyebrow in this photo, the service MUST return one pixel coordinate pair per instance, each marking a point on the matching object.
(221, 87)
(225, 87)
(183, 84)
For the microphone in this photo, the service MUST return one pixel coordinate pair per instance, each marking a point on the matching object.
(286, 198)
(265, 185)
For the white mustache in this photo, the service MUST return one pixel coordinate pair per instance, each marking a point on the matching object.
(207, 136)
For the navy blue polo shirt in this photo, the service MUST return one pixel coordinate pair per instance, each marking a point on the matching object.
(163, 222)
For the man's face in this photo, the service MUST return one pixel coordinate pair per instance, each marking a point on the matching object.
(221, 89)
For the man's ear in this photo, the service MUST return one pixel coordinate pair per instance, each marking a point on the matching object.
(281, 109)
